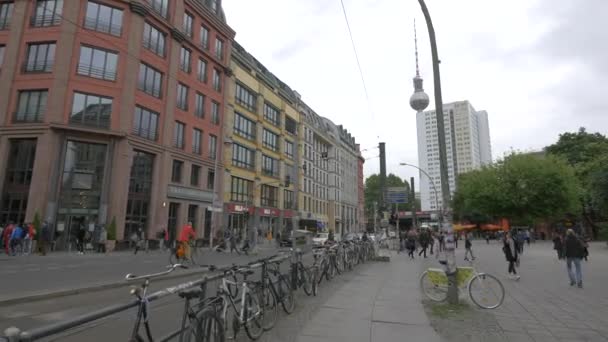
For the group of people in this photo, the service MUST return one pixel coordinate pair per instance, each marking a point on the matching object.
(19, 239)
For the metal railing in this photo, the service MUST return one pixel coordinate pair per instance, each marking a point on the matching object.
(96, 72)
(21, 117)
(45, 20)
(15, 335)
(40, 66)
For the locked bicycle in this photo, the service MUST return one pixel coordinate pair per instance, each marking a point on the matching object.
(485, 290)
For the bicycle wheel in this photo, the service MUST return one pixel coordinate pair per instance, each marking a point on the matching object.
(486, 291)
(268, 303)
(195, 255)
(305, 279)
(252, 316)
(288, 299)
(209, 327)
(434, 287)
(313, 280)
(322, 271)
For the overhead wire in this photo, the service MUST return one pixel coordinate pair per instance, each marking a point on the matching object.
(352, 41)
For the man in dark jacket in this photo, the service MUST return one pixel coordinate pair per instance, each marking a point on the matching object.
(574, 252)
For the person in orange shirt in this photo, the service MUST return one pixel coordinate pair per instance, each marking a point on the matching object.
(185, 236)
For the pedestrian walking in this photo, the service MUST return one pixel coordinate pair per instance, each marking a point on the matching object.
(488, 238)
(233, 243)
(585, 241)
(511, 254)
(468, 247)
(410, 244)
(138, 240)
(432, 241)
(441, 241)
(101, 243)
(574, 252)
(187, 236)
(6, 237)
(278, 239)
(44, 238)
(424, 242)
(558, 246)
(16, 240)
(80, 237)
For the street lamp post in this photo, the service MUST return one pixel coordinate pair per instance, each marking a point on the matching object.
(432, 184)
(419, 101)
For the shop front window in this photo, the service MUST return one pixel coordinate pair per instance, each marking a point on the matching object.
(140, 189)
(19, 170)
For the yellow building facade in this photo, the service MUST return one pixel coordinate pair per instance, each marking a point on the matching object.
(261, 129)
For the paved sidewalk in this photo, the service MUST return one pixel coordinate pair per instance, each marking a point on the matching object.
(381, 303)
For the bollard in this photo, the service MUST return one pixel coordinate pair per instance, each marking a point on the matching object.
(12, 334)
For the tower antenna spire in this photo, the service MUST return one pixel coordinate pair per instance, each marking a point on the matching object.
(416, 49)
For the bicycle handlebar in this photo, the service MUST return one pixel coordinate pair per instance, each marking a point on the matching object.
(171, 268)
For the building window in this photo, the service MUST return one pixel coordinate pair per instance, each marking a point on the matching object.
(219, 49)
(202, 70)
(188, 19)
(91, 110)
(244, 127)
(97, 63)
(241, 190)
(270, 140)
(176, 171)
(182, 96)
(243, 157)
(289, 149)
(103, 18)
(150, 80)
(291, 125)
(48, 13)
(40, 57)
(31, 105)
(197, 141)
(272, 114)
(184, 60)
(6, 12)
(140, 189)
(199, 108)
(160, 6)
(245, 97)
(192, 215)
(17, 179)
(210, 179)
(288, 202)
(217, 80)
(270, 166)
(195, 175)
(212, 146)
(145, 123)
(205, 37)
(270, 196)
(215, 113)
(179, 135)
(154, 40)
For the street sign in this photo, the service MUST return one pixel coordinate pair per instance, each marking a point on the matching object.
(396, 195)
(216, 209)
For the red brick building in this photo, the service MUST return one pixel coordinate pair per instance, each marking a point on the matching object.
(112, 110)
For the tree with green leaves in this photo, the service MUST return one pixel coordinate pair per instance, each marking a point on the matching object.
(523, 188)
(588, 154)
(372, 190)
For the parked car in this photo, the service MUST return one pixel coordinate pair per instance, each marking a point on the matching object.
(320, 239)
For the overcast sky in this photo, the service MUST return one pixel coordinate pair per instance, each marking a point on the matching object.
(539, 67)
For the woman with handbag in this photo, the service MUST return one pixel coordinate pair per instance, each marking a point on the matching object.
(511, 254)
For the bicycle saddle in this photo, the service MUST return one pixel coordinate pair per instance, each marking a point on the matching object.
(191, 293)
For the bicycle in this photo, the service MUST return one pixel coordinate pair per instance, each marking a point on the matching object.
(194, 319)
(177, 254)
(485, 290)
(279, 285)
(249, 314)
(305, 277)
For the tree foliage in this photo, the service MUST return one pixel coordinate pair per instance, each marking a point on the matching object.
(522, 187)
(588, 154)
(372, 190)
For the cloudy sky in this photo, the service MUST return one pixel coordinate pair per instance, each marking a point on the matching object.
(539, 67)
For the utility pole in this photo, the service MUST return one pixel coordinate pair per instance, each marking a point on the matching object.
(382, 205)
(419, 101)
(413, 197)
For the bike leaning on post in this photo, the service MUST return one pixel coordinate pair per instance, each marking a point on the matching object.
(485, 290)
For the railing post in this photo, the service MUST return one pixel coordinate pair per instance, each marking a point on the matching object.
(12, 334)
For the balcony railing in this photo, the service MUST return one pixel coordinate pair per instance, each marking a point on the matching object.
(20, 117)
(96, 72)
(45, 20)
(38, 66)
(103, 26)
(271, 173)
(179, 143)
(144, 133)
(154, 47)
(91, 121)
(185, 67)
